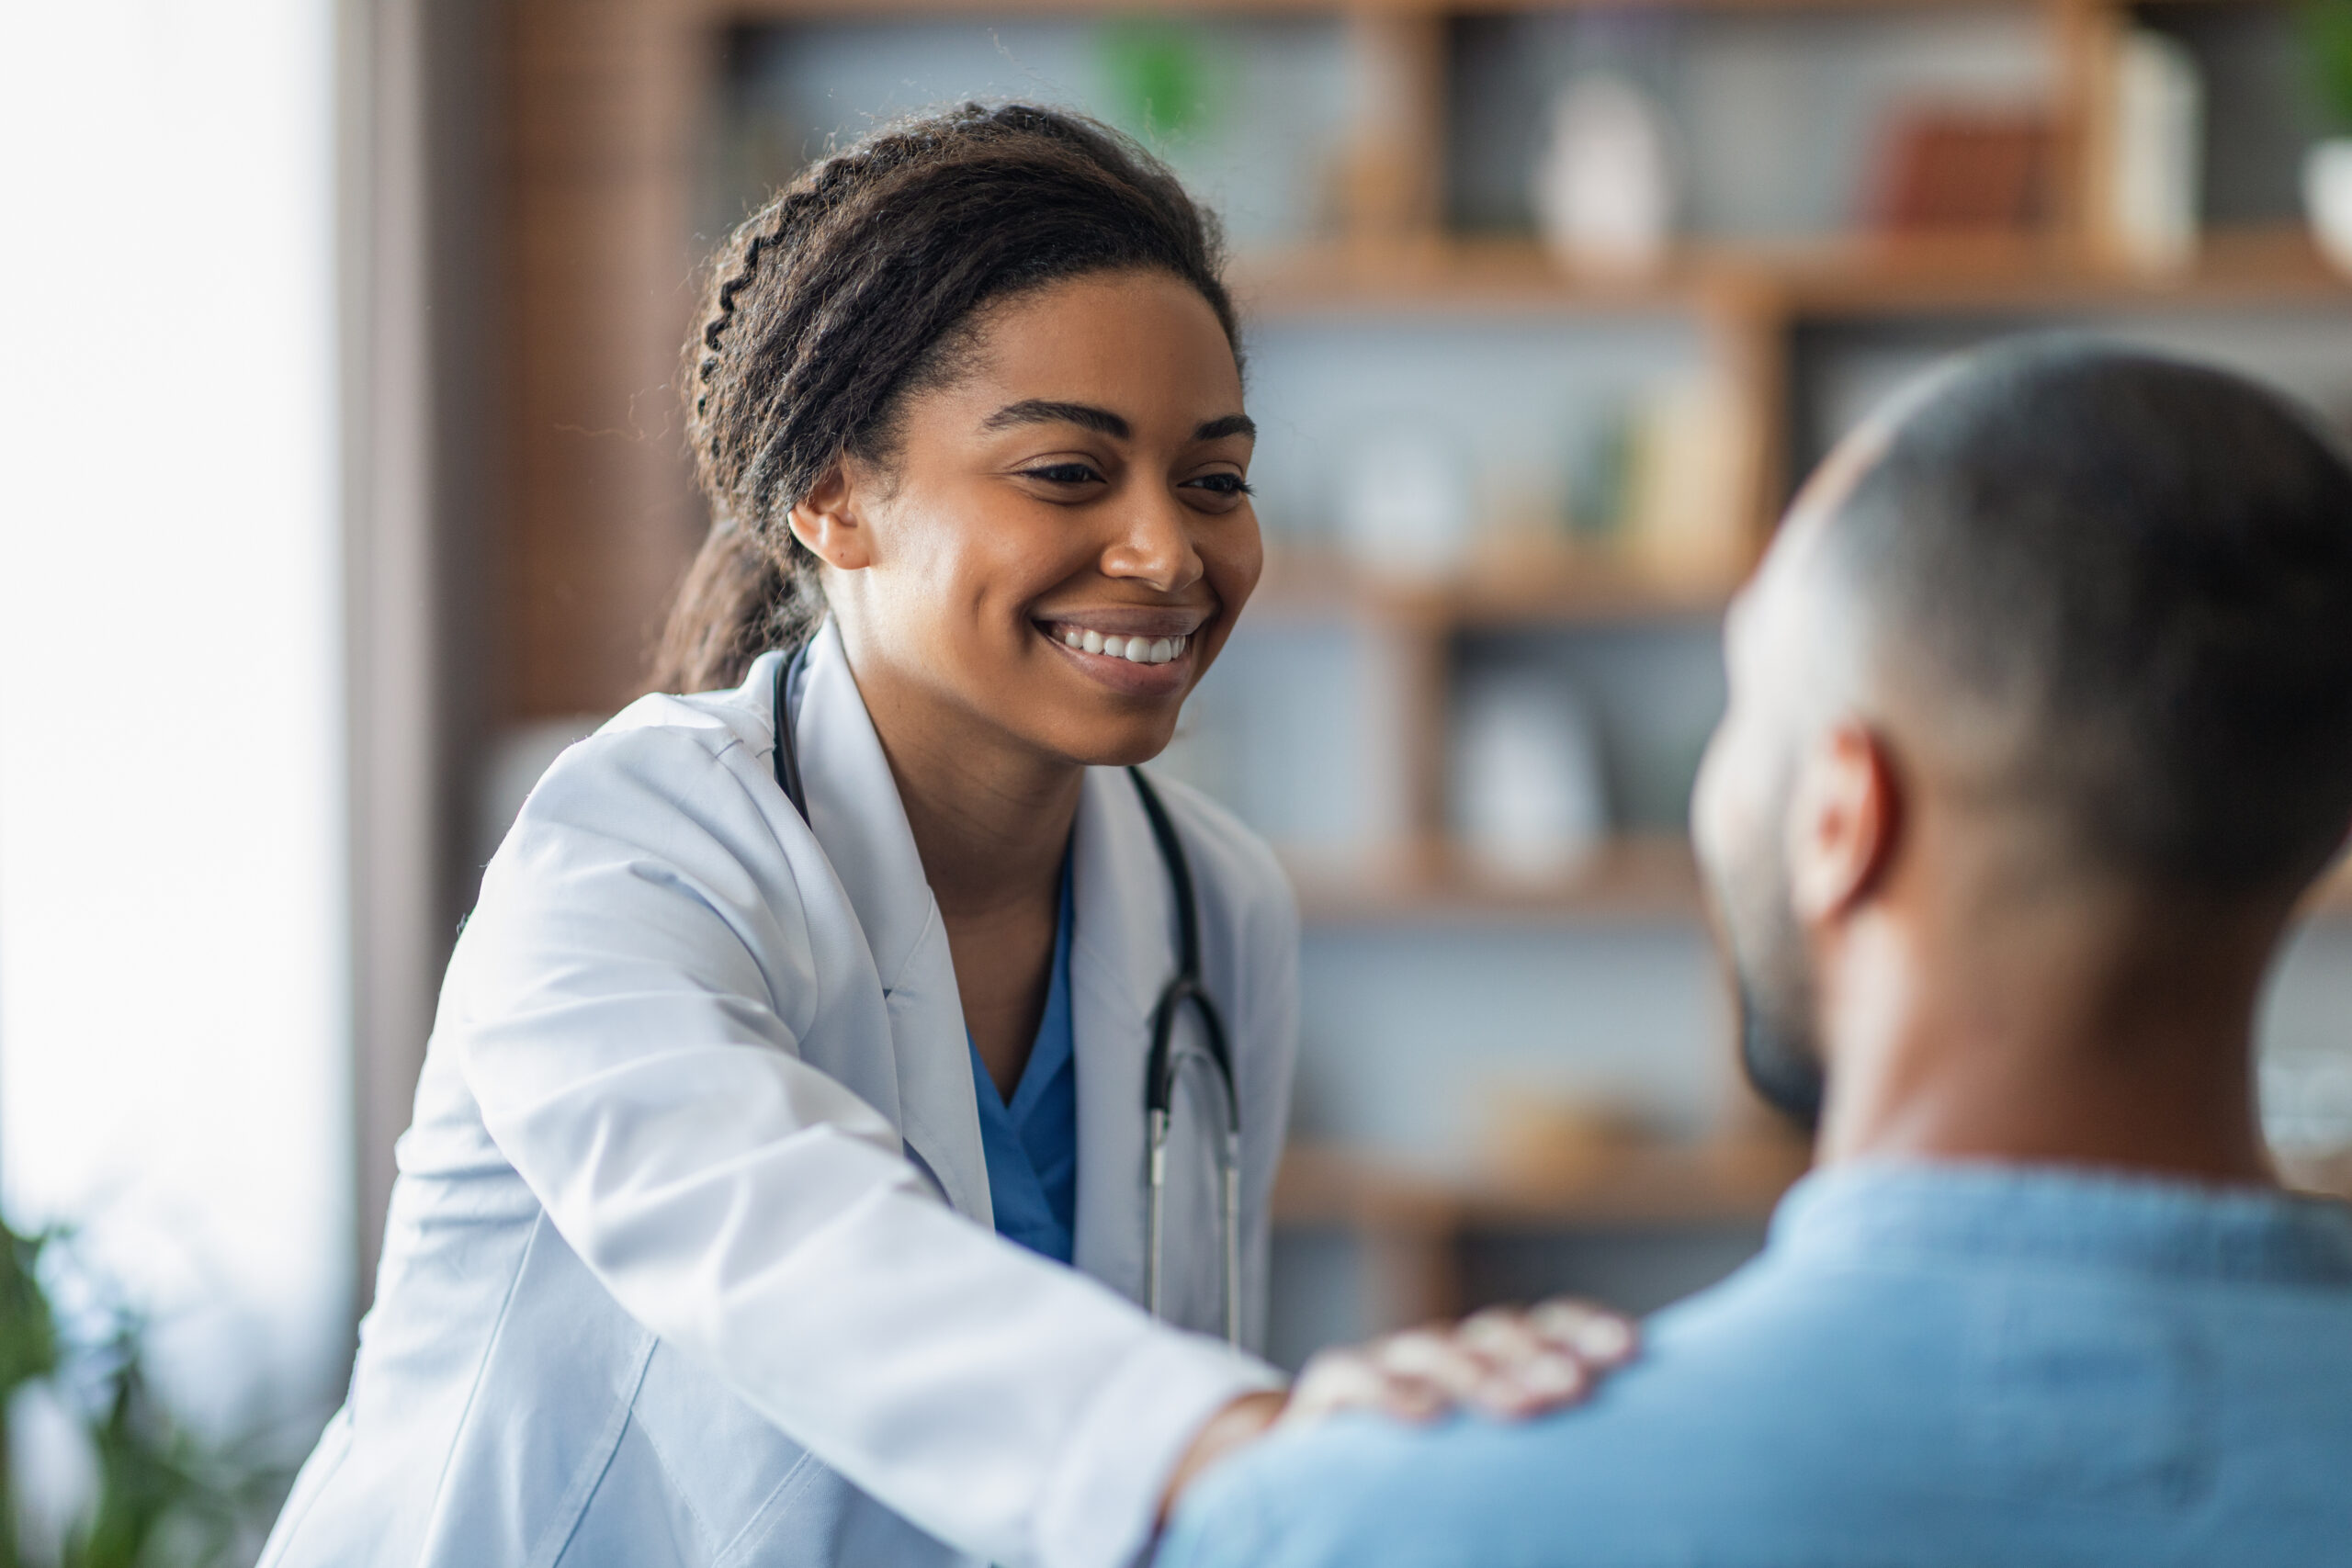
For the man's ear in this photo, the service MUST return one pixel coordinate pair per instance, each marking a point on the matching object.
(1845, 814)
(828, 520)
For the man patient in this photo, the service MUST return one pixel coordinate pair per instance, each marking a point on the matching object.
(2041, 723)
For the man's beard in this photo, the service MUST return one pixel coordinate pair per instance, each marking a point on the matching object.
(1778, 1049)
(1780, 1058)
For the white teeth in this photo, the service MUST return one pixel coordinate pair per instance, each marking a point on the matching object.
(1134, 650)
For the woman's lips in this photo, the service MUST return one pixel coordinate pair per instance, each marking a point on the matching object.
(1138, 659)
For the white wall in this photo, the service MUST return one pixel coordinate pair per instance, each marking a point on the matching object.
(172, 935)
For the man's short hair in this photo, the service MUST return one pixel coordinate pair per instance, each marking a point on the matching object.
(2144, 566)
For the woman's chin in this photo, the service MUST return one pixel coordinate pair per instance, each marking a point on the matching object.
(1113, 740)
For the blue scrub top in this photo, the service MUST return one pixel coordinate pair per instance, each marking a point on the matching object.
(1031, 1144)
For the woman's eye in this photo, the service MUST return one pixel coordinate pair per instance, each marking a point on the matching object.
(1063, 473)
(1222, 484)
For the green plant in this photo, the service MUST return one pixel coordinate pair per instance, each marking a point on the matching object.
(2327, 47)
(1158, 75)
(162, 1496)
(27, 1353)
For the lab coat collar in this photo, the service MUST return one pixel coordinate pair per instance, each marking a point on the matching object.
(1122, 955)
(858, 818)
(855, 809)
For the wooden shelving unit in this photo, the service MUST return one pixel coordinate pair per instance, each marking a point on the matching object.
(1825, 280)
(614, 108)
(1567, 593)
(1639, 1183)
(614, 101)
(1412, 1225)
(1633, 879)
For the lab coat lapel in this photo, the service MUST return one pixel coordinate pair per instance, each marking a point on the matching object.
(857, 815)
(1122, 952)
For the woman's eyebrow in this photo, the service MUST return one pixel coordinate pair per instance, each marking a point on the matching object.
(1103, 421)
(1040, 410)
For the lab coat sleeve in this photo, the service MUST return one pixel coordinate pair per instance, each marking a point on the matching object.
(631, 991)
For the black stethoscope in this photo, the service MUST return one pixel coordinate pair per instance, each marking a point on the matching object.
(1168, 1059)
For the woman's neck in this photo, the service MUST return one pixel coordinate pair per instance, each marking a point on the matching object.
(992, 820)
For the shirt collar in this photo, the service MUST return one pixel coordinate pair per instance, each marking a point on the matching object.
(1870, 1211)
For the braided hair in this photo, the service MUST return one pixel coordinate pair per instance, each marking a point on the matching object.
(859, 284)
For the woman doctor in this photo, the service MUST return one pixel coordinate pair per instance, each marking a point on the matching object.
(777, 1188)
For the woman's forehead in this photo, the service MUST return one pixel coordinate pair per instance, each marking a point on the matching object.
(1131, 342)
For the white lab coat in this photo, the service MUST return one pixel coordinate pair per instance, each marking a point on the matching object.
(689, 1261)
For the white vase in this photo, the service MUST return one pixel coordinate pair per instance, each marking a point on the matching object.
(1529, 796)
(1603, 191)
(1405, 500)
(2328, 199)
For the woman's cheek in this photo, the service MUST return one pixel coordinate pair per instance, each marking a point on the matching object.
(1239, 562)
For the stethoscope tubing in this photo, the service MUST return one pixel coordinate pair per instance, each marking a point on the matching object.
(1166, 1064)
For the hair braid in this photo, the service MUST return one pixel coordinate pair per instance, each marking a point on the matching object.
(859, 284)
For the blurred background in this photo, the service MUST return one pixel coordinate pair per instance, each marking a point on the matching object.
(344, 487)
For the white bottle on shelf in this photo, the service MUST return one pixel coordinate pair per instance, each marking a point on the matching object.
(1404, 502)
(1604, 186)
(1530, 802)
(2158, 152)
(2328, 199)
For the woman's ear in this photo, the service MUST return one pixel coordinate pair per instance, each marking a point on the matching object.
(828, 520)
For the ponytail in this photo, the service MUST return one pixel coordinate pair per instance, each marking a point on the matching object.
(735, 604)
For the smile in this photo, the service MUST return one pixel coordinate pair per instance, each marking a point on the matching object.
(1134, 649)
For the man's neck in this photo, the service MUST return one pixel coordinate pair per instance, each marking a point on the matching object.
(2059, 1035)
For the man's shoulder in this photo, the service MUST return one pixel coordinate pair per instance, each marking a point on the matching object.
(1622, 1472)
(1805, 1413)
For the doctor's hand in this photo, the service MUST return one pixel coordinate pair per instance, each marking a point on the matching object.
(1505, 1362)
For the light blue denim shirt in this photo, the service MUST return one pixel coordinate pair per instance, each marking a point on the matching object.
(1969, 1366)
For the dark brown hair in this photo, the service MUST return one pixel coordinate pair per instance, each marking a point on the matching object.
(858, 284)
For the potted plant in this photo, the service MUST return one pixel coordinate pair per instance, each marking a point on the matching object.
(161, 1497)
(2327, 166)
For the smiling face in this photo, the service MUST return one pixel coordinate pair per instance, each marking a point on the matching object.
(1057, 546)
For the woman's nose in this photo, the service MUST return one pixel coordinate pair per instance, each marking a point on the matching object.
(1155, 545)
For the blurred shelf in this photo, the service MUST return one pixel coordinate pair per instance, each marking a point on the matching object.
(1636, 879)
(1836, 280)
(2269, 265)
(1321, 585)
(1447, 273)
(1642, 1184)
(1642, 879)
